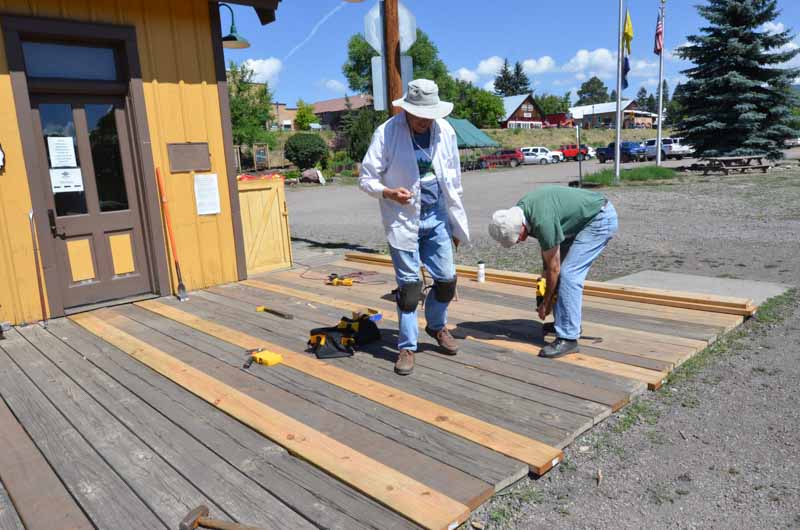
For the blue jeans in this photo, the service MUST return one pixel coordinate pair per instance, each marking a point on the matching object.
(435, 251)
(588, 244)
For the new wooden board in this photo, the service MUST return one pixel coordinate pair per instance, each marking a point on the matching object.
(420, 504)
(455, 451)
(311, 492)
(40, 498)
(432, 473)
(719, 304)
(539, 456)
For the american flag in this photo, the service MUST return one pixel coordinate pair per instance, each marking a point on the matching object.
(659, 45)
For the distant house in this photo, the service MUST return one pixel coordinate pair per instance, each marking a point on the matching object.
(331, 111)
(522, 112)
(605, 115)
(283, 117)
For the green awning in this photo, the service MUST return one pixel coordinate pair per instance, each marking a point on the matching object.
(470, 136)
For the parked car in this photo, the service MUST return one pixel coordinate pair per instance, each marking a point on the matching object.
(558, 156)
(792, 142)
(670, 148)
(539, 155)
(590, 151)
(571, 151)
(629, 152)
(503, 157)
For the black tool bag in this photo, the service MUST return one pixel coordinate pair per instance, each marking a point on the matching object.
(344, 339)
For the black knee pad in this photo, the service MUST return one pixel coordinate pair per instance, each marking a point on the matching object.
(408, 296)
(445, 290)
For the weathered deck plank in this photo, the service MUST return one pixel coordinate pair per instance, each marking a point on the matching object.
(104, 496)
(9, 519)
(309, 491)
(471, 458)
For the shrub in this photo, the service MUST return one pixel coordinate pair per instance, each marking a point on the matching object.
(306, 149)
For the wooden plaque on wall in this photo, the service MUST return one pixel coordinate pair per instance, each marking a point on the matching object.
(189, 157)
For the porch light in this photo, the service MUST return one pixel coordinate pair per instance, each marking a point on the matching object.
(233, 41)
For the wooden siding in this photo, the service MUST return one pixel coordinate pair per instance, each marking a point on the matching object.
(182, 103)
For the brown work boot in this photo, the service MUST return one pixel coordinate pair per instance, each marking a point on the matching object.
(405, 363)
(446, 341)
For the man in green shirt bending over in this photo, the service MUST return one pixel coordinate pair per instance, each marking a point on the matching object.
(573, 226)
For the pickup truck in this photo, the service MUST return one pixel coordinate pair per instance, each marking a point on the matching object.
(670, 148)
(571, 151)
(629, 152)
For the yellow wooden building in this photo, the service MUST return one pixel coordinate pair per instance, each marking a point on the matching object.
(95, 95)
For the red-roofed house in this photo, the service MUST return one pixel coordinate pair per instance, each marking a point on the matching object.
(330, 111)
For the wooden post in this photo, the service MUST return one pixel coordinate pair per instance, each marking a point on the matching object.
(391, 46)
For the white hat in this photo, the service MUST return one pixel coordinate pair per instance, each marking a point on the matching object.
(422, 100)
(506, 226)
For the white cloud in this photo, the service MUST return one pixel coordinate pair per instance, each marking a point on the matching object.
(489, 85)
(672, 55)
(490, 66)
(598, 61)
(773, 27)
(335, 85)
(265, 70)
(465, 74)
(651, 82)
(580, 76)
(642, 68)
(539, 66)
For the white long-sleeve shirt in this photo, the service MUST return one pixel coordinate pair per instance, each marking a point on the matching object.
(390, 163)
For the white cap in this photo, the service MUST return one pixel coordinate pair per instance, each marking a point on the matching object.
(506, 226)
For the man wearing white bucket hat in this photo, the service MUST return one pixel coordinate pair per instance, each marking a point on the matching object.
(573, 226)
(413, 168)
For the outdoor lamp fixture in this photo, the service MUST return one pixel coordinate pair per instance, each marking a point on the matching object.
(233, 41)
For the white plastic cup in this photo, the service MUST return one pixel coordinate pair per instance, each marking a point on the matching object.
(481, 272)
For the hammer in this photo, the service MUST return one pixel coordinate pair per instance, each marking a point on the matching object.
(198, 518)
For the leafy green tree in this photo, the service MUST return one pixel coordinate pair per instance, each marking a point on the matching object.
(358, 68)
(519, 80)
(592, 91)
(305, 116)
(306, 149)
(358, 127)
(480, 107)
(738, 100)
(651, 104)
(250, 105)
(641, 98)
(552, 104)
(504, 82)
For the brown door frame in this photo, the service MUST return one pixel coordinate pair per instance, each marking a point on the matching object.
(123, 39)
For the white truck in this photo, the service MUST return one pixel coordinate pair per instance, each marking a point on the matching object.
(670, 148)
(541, 155)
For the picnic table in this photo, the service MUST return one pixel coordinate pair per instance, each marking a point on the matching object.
(726, 164)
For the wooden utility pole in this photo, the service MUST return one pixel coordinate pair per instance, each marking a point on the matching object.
(391, 47)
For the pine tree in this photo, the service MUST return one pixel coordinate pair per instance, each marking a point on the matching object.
(737, 100)
(504, 82)
(613, 96)
(665, 90)
(651, 104)
(519, 80)
(641, 98)
(592, 91)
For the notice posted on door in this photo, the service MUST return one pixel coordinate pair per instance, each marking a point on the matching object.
(206, 193)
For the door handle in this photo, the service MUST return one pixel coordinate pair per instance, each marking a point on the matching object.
(51, 217)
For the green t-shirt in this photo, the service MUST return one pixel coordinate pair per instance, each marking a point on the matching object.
(557, 213)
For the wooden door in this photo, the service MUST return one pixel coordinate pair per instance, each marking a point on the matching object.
(92, 198)
(265, 225)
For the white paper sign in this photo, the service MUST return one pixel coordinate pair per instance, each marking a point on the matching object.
(62, 151)
(66, 179)
(206, 194)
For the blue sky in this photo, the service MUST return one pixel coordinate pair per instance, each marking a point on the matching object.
(560, 43)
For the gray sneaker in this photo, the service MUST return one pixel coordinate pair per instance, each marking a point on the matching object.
(405, 362)
(558, 348)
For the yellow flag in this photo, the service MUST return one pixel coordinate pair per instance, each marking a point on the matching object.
(627, 34)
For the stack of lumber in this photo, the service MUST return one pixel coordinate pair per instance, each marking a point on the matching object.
(685, 300)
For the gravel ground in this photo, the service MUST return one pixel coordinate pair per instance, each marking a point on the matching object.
(718, 446)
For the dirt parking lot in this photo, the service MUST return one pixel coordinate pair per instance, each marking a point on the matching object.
(718, 447)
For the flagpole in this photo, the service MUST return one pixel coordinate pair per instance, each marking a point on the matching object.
(660, 87)
(619, 95)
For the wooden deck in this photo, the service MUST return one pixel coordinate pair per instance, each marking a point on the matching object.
(131, 416)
